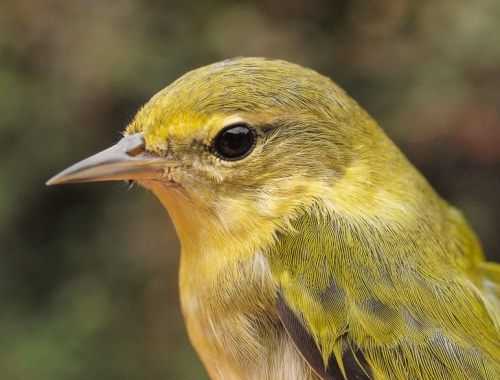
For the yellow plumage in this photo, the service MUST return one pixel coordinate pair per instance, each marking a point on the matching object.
(311, 248)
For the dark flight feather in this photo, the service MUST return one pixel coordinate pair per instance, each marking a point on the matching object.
(355, 365)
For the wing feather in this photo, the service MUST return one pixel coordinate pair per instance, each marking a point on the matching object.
(368, 310)
(354, 366)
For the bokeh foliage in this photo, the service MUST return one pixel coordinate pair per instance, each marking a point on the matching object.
(88, 274)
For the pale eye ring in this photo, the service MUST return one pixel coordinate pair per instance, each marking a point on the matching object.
(234, 142)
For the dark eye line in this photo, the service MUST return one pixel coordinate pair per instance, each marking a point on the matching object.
(263, 129)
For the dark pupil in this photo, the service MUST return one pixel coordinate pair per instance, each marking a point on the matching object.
(235, 142)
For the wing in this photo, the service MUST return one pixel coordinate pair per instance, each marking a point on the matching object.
(354, 365)
(364, 307)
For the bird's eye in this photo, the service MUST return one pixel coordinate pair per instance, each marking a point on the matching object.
(234, 142)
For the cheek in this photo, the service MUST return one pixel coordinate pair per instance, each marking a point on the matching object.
(196, 186)
(282, 198)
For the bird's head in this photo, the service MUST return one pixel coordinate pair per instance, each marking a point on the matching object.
(240, 147)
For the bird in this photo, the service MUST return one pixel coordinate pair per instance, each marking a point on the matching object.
(311, 248)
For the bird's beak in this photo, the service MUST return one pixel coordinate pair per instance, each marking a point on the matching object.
(127, 160)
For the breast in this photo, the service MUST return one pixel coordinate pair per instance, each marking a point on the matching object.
(231, 317)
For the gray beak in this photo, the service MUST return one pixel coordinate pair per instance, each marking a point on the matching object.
(127, 160)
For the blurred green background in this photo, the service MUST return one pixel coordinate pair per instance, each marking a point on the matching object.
(88, 272)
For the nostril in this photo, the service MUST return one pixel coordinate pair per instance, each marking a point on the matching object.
(134, 144)
(137, 150)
